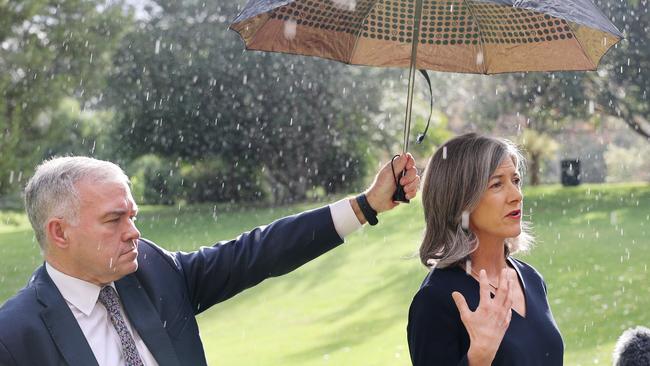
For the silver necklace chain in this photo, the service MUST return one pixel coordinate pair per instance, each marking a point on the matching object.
(489, 283)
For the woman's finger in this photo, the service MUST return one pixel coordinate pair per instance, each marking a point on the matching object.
(461, 304)
(508, 303)
(484, 286)
(502, 291)
(507, 320)
(510, 292)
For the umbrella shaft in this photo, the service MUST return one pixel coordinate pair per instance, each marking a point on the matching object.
(409, 107)
(414, 55)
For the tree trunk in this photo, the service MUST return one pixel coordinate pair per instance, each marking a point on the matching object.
(534, 169)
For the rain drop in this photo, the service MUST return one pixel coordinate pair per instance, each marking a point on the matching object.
(290, 29)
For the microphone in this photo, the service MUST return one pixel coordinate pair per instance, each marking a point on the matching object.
(633, 348)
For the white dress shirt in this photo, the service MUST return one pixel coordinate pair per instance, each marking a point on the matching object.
(344, 218)
(94, 321)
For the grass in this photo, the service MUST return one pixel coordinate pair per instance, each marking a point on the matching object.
(349, 306)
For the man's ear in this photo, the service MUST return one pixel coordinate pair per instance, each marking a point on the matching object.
(55, 229)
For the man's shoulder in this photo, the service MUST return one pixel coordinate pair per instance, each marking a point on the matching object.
(149, 252)
(154, 262)
(26, 297)
(23, 308)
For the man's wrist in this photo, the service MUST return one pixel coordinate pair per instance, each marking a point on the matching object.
(344, 217)
(367, 210)
(357, 210)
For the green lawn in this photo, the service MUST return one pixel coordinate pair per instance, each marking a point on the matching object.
(349, 307)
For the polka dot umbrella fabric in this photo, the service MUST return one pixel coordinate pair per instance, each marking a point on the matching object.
(468, 36)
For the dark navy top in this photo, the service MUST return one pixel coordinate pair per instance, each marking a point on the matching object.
(437, 336)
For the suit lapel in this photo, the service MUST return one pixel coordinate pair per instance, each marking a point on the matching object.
(144, 317)
(60, 322)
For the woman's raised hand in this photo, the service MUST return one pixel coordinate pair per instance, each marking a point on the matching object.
(487, 325)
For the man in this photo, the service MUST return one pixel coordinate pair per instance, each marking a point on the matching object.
(106, 296)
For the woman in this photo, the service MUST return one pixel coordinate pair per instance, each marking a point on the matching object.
(473, 208)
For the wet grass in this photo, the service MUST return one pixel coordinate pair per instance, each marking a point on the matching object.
(349, 306)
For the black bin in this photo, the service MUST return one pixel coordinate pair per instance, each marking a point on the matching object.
(570, 172)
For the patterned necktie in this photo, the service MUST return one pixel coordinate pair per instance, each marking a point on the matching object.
(108, 298)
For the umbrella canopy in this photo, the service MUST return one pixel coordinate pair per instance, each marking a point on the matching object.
(469, 36)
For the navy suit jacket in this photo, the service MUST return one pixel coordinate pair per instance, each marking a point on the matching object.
(164, 295)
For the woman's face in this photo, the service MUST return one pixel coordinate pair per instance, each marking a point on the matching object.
(498, 214)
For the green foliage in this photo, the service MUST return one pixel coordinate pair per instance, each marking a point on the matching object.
(623, 81)
(155, 180)
(393, 102)
(215, 180)
(71, 131)
(537, 147)
(628, 164)
(186, 90)
(547, 100)
(436, 136)
(50, 50)
(158, 180)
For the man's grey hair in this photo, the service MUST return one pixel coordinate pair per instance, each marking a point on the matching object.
(633, 348)
(456, 178)
(51, 192)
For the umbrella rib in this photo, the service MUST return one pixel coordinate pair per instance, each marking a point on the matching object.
(594, 67)
(356, 39)
(256, 32)
(480, 36)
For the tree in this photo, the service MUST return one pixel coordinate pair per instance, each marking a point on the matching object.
(538, 147)
(49, 50)
(536, 105)
(547, 103)
(186, 90)
(71, 130)
(622, 83)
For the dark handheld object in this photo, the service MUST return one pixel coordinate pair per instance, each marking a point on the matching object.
(368, 212)
(422, 135)
(399, 195)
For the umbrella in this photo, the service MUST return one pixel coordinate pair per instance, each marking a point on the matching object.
(467, 36)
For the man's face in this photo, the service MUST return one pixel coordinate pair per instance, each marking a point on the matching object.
(103, 242)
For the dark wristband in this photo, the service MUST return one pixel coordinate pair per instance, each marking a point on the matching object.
(368, 212)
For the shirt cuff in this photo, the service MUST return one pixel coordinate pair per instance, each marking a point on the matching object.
(344, 218)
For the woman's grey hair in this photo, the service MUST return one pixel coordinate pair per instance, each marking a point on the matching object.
(51, 192)
(456, 178)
